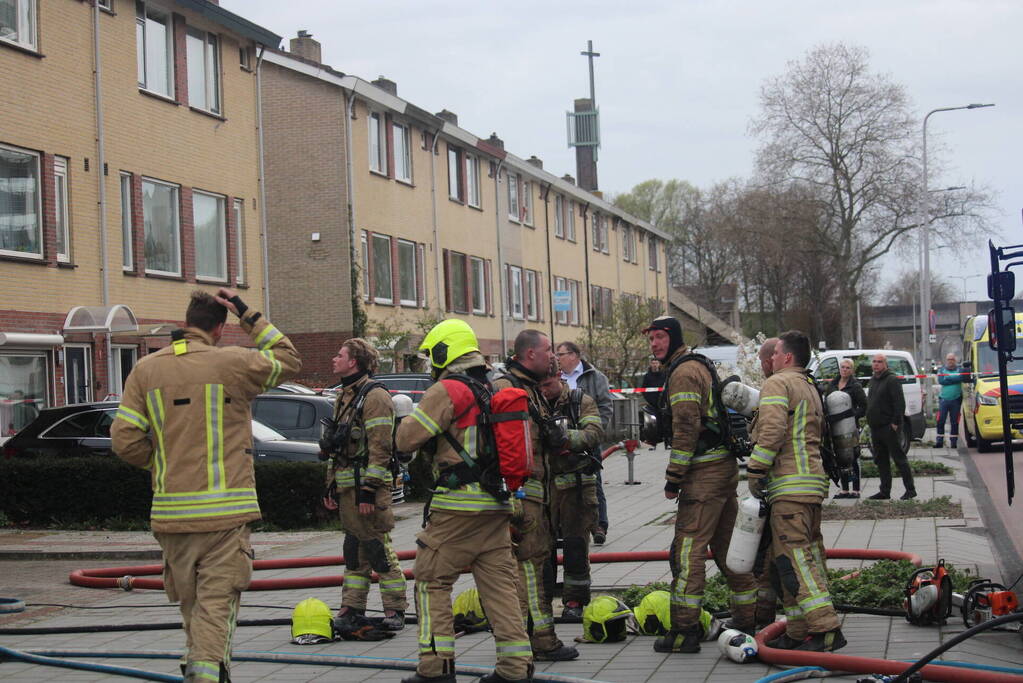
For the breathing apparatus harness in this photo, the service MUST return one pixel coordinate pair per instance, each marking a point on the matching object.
(339, 433)
(715, 430)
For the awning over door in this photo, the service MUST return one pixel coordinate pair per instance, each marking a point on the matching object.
(116, 318)
(27, 340)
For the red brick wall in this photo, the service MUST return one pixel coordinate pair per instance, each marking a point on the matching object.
(180, 67)
(317, 350)
(49, 209)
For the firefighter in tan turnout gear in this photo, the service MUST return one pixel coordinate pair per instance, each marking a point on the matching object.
(533, 361)
(360, 445)
(467, 525)
(786, 470)
(702, 475)
(573, 486)
(185, 415)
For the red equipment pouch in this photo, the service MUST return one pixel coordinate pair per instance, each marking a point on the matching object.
(509, 409)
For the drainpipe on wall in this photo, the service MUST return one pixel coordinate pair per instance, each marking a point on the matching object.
(550, 275)
(436, 237)
(263, 224)
(101, 181)
(353, 254)
(586, 265)
(500, 254)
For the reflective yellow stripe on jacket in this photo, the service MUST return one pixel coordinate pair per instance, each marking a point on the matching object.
(154, 405)
(195, 505)
(468, 498)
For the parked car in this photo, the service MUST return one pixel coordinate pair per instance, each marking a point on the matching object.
(292, 388)
(83, 429)
(296, 416)
(412, 384)
(824, 367)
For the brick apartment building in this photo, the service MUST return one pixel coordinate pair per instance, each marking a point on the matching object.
(377, 207)
(129, 176)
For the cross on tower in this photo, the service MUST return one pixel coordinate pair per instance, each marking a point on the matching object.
(590, 54)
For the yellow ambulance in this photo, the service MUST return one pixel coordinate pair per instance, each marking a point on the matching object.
(982, 411)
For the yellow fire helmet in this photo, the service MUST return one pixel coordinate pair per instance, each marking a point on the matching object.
(311, 623)
(468, 612)
(606, 620)
(654, 613)
(448, 340)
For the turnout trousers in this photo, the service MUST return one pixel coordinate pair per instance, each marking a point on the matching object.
(450, 543)
(706, 514)
(367, 547)
(534, 557)
(573, 515)
(206, 572)
(797, 548)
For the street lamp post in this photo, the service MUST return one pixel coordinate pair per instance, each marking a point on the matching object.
(925, 280)
(965, 278)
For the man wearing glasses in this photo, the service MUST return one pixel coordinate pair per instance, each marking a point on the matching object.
(582, 375)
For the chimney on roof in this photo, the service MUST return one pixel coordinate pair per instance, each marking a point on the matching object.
(536, 161)
(449, 116)
(305, 47)
(495, 141)
(387, 85)
(586, 155)
(568, 179)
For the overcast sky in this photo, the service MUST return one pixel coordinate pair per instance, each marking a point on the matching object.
(677, 81)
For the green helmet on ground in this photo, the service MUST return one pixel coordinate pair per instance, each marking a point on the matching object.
(654, 613)
(448, 340)
(605, 620)
(311, 623)
(468, 611)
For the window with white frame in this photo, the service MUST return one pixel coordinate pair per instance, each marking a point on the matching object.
(127, 247)
(18, 22)
(573, 314)
(106, 4)
(407, 273)
(161, 227)
(377, 143)
(479, 285)
(21, 230)
(457, 282)
(123, 359)
(599, 232)
(570, 221)
(402, 153)
(24, 387)
(202, 54)
(63, 217)
(532, 295)
(559, 216)
(628, 243)
(154, 50)
(382, 292)
(238, 206)
(527, 202)
(513, 196)
(652, 256)
(515, 292)
(472, 173)
(365, 266)
(210, 236)
(456, 187)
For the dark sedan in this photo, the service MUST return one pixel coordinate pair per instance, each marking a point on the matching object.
(296, 416)
(411, 384)
(83, 429)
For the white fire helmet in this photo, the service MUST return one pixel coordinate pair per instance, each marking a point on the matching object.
(737, 646)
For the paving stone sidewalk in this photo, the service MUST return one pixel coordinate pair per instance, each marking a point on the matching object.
(637, 513)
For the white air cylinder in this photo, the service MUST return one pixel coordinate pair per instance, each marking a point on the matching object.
(749, 527)
(740, 397)
(402, 406)
(844, 435)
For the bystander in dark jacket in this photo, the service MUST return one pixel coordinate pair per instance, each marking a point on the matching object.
(886, 406)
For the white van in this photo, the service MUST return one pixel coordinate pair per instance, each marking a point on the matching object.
(824, 366)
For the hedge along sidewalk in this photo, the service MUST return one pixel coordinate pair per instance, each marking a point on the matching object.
(106, 492)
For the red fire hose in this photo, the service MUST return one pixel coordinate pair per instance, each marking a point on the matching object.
(868, 665)
(129, 577)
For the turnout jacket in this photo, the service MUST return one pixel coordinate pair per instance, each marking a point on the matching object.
(787, 434)
(535, 487)
(583, 436)
(371, 443)
(433, 416)
(185, 415)
(689, 395)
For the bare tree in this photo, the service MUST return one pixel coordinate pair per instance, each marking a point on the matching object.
(618, 346)
(849, 135)
(905, 290)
